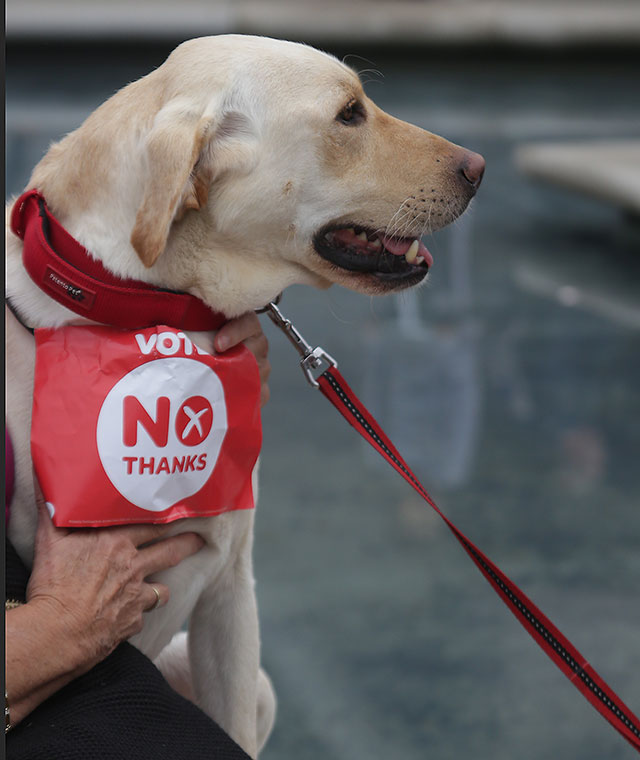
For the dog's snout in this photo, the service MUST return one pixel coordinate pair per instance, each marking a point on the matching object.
(472, 169)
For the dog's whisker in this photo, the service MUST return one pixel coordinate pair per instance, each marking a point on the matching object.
(372, 71)
(365, 60)
(400, 214)
(403, 224)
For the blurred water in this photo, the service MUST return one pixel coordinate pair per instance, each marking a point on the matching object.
(511, 383)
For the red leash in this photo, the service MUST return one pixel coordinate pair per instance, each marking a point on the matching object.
(543, 631)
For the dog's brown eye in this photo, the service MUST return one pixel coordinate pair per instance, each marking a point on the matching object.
(352, 114)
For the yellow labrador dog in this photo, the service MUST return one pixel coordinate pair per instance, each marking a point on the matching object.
(241, 166)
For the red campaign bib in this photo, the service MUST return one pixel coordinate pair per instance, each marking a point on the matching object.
(135, 426)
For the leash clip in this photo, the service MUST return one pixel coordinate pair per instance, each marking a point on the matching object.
(312, 358)
(313, 361)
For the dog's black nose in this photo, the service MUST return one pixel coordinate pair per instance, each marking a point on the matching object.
(472, 169)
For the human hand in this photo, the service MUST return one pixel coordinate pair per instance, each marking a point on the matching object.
(248, 330)
(93, 580)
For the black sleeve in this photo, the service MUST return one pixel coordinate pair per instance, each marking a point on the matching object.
(121, 709)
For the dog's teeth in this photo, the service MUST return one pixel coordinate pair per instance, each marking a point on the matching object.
(351, 231)
(412, 254)
(419, 260)
(375, 243)
(362, 236)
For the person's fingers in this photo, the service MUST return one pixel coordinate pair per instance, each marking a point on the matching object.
(140, 534)
(248, 330)
(259, 347)
(169, 552)
(236, 331)
(154, 595)
(265, 394)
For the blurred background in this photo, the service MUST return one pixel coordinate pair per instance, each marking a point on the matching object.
(510, 382)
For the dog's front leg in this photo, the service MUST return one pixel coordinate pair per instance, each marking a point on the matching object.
(224, 650)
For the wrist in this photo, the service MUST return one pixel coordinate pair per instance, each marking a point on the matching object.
(38, 658)
(62, 637)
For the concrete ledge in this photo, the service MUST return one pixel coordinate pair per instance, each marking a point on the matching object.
(513, 22)
(608, 171)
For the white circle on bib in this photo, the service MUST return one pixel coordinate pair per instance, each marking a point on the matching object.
(160, 431)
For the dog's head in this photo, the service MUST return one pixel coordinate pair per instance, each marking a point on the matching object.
(245, 164)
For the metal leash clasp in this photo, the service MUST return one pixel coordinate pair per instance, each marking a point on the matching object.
(312, 358)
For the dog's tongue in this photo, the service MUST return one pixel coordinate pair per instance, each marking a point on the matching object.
(399, 247)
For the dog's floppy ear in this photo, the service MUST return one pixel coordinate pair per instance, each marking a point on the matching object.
(178, 176)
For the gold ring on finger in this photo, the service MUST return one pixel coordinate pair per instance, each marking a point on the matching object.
(157, 601)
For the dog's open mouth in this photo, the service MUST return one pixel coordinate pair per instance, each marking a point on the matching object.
(358, 249)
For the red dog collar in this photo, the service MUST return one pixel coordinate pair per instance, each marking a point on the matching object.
(67, 272)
